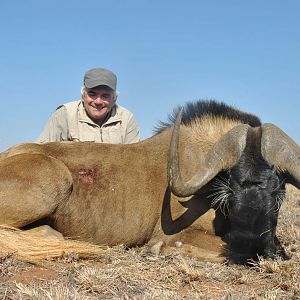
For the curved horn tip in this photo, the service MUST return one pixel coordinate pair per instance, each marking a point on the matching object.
(179, 116)
(281, 150)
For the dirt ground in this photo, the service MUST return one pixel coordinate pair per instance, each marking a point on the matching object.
(131, 274)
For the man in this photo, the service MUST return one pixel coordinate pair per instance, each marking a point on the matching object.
(96, 117)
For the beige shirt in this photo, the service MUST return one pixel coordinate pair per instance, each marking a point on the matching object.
(70, 122)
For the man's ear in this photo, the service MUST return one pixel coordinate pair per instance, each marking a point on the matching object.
(82, 90)
(116, 95)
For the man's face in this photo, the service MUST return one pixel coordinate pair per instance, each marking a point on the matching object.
(98, 101)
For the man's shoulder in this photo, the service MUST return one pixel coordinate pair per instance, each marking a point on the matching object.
(64, 111)
(122, 111)
(71, 104)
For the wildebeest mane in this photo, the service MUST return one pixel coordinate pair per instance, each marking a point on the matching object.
(200, 108)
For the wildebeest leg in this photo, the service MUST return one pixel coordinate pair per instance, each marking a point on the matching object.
(198, 243)
(192, 251)
(45, 231)
(185, 249)
(31, 188)
(190, 242)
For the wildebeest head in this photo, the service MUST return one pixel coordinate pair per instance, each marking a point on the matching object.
(250, 166)
(252, 195)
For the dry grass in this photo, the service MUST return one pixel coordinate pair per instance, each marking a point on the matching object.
(130, 274)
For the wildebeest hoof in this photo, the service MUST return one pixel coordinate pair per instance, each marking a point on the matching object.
(178, 244)
(156, 249)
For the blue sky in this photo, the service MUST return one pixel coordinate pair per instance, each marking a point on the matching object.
(245, 53)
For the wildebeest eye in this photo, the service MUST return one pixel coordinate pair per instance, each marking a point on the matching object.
(261, 184)
(278, 185)
(251, 184)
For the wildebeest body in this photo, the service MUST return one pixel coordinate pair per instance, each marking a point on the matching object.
(119, 194)
(107, 220)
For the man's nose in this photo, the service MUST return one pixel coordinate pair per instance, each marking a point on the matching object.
(98, 100)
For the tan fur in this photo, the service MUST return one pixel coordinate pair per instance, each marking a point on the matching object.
(203, 131)
(33, 247)
(107, 194)
(198, 139)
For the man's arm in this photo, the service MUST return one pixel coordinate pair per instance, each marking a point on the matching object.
(132, 131)
(56, 129)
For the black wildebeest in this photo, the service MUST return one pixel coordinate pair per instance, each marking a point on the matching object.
(213, 192)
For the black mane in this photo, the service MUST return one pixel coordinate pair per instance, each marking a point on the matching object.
(197, 109)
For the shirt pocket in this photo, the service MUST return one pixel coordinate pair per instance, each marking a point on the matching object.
(82, 137)
(113, 134)
(87, 137)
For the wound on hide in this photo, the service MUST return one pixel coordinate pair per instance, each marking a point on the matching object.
(87, 175)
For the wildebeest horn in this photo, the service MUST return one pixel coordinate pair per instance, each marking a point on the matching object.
(280, 150)
(225, 154)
